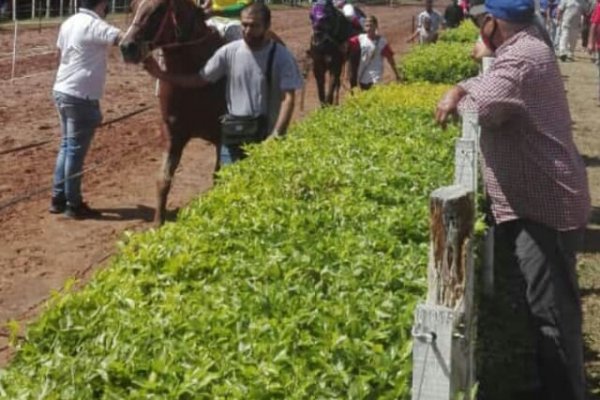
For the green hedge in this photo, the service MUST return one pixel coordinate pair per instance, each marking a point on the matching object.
(443, 62)
(296, 277)
(466, 33)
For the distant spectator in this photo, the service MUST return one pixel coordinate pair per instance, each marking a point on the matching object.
(424, 32)
(435, 19)
(373, 48)
(453, 15)
(570, 13)
(593, 44)
(549, 12)
(585, 23)
(3, 9)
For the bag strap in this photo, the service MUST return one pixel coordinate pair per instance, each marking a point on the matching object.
(270, 67)
(370, 60)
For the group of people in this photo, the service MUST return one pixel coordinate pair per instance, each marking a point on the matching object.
(83, 43)
(567, 21)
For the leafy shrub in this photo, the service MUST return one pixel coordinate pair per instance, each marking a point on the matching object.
(442, 62)
(467, 32)
(296, 277)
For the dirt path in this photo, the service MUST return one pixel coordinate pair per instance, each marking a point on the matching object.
(39, 251)
(581, 80)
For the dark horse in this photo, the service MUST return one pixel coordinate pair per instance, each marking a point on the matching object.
(329, 52)
(178, 28)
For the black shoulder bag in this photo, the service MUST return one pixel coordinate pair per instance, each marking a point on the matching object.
(237, 130)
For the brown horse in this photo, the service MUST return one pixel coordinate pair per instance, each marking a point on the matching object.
(329, 52)
(178, 28)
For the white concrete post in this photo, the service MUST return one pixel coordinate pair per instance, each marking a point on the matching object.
(16, 24)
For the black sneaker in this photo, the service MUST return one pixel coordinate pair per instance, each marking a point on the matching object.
(57, 206)
(563, 58)
(81, 211)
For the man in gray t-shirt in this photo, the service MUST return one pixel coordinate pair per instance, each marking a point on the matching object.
(244, 64)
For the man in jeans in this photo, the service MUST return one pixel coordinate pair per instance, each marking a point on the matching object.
(537, 185)
(82, 43)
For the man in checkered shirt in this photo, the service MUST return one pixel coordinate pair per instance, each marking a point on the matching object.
(536, 183)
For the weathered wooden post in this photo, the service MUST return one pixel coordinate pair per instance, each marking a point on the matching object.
(444, 330)
(48, 8)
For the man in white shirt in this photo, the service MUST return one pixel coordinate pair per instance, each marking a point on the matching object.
(570, 13)
(82, 43)
(435, 20)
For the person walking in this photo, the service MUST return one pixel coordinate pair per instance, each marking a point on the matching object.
(549, 13)
(262, 77)
(83, 43)
(453, 15)
(373, 49)
(593, 44)
(537, 185)
(570, 13)
(432, 19)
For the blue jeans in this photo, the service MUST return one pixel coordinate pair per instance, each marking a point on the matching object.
(228, 154)
(78, 121)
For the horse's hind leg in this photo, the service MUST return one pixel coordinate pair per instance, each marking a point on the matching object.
(319, 73)
(171, 159)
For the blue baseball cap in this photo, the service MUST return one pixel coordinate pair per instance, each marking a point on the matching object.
(511, 10)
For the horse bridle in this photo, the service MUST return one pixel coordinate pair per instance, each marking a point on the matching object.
(170, 15)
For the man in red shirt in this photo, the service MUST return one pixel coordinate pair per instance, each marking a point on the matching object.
(594, 40)
(536, 182)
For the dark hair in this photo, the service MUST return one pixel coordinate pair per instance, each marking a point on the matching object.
(90, 4)
(373, 20)
(261, 9)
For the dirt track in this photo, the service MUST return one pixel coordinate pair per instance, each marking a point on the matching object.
(39, 251)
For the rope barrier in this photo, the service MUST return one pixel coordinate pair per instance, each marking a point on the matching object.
(11, 80)
(43, 142)
(29, 55)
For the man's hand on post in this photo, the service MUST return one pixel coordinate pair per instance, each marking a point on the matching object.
(447, 106)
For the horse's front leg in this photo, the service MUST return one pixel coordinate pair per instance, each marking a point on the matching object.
(334, 85)
(171, 159)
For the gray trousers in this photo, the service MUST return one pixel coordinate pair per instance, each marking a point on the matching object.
(545, 259)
